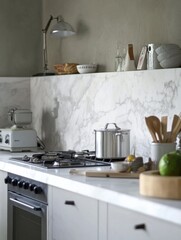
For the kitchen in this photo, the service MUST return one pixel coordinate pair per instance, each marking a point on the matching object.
(144, 92)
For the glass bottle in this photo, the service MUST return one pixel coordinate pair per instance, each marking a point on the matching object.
(118, 60)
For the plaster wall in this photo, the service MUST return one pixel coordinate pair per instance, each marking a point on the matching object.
(20, 38)
(101, 25)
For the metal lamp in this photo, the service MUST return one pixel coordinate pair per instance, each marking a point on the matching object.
(60, 29)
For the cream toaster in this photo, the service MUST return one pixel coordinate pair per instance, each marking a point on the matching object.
(18, 139)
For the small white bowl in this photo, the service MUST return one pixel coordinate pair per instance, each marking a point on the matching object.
(121, 166)
(87, 68)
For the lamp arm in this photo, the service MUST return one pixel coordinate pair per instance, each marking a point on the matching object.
(45, 57)
(48, 24)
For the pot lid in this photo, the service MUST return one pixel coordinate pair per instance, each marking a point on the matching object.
(115, 129)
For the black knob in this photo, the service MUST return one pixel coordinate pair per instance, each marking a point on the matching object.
(25, 185)
(20, 183)
(31, 186)
(37, 190)
(14, 182)
(7, 180)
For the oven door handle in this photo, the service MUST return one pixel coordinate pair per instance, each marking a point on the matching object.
(35, 208)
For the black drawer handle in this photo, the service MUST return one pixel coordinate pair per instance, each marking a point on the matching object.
(140, 226)
(67, 202)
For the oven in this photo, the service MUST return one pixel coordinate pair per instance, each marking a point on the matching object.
(27, 208)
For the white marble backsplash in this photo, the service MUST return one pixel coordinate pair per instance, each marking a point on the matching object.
(67, 108)
(14, 93)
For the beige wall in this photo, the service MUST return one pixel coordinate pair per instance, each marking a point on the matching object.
(20, 37)
(101, 24)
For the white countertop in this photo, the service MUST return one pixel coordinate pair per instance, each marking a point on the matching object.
(117, 191)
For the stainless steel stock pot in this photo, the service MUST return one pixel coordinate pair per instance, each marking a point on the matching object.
(112, 143)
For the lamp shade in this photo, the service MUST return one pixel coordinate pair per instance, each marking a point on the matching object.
(62, 29)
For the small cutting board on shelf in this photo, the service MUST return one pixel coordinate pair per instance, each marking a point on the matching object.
(99, 173)
(151, 184)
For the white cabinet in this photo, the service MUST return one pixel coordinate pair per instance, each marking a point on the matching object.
(125, 224)
(3, 206)
(74, 217)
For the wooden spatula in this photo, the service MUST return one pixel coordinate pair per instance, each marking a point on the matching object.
(175, 120)
(176, 130)
(164, 120)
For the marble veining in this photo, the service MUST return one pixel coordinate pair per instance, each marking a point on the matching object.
(67, 109)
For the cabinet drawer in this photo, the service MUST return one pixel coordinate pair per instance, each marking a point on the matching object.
(74, 216)
(125, 224)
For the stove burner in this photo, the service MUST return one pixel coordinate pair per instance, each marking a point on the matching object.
(64, 159)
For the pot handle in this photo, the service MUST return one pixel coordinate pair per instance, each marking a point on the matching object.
(107, 124)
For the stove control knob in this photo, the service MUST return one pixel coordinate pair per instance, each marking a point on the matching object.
(7, 141)
(14, 182)
(20, 183)
(31, 186)
(25, 185)
(7, 180)
(37, 190)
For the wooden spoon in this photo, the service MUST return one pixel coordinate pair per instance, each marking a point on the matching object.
(156, 125)
(151, 129)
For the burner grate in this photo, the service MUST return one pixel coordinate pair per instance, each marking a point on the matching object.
(63, 159)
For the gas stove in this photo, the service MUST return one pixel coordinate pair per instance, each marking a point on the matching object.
(63, 159)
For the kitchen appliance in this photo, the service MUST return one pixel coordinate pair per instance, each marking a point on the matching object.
(18, 138)
(62, 159)
(112, 143)
(27, 208)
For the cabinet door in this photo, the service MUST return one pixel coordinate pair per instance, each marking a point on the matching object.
(74, 216)
(125, 224)
(3, 206)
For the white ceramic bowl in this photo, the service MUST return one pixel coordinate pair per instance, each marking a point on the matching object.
(121, 166)
(165, 55)
(166, 48)
(87, 68)
(172, 62)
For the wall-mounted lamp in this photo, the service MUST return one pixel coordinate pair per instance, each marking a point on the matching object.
(60, 29)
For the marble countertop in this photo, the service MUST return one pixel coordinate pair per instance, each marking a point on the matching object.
(117, 191)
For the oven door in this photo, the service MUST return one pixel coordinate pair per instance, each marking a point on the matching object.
(27, 218)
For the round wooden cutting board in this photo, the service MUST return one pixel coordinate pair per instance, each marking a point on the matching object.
(151, 184)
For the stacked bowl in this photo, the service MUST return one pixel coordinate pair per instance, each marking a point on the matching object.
(169, 55)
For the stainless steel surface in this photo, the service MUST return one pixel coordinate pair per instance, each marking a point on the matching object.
(112, 143)
(27, 208)
(63, 159)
